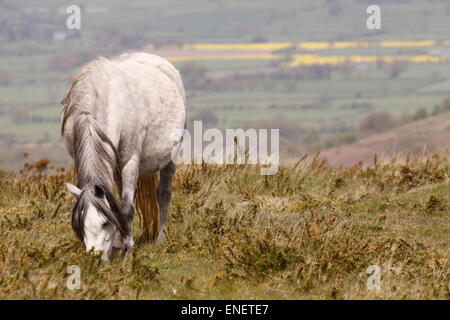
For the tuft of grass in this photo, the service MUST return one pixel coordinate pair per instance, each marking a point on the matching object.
(309, 232)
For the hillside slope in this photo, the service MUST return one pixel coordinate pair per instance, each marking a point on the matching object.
(432, 133)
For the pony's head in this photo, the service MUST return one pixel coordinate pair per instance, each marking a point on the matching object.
(97, 220)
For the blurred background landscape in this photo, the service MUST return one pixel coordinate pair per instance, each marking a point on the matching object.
(310, 68)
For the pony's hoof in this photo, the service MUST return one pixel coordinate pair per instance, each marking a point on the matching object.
(161, 237)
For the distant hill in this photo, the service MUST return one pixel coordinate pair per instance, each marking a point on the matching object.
(432, 133)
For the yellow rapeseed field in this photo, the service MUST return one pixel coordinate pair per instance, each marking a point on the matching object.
(238, 46)
(225, 57)
(310, 59)
(230, 51)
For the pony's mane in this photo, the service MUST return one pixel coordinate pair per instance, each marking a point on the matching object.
(79, 96)
(95, 156)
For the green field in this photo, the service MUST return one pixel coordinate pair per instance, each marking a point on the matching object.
(29, 98)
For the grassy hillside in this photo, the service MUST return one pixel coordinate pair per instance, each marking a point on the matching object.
(310, 231)
(432, 133)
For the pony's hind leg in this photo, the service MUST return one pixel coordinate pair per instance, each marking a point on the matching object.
(164, 194)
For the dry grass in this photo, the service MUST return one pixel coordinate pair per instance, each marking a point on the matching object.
(309, 232)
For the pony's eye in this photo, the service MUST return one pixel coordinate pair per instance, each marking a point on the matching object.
(105, 224)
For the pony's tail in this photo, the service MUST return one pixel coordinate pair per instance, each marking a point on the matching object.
(147, 207)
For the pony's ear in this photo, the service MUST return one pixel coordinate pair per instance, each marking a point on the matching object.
(73, 190)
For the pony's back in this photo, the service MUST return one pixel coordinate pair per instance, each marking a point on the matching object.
(153, 61)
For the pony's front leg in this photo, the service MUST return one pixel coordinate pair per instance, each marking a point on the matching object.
(130, 175)
(164, 194)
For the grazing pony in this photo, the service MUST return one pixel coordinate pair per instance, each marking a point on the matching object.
(121, 120)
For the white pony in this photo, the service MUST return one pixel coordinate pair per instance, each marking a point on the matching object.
(121, 120)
